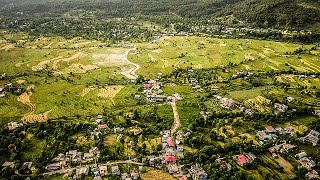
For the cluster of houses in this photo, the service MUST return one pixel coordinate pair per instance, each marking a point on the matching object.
(194, 84)
(239, 30)
(243, 159)
(283, 148)
(226, 103)
(197, 172)
(14, 125)
(73, 156)
(229, 103)
(271, 133)
(308, 163)
(103, 170)
(242, 74)
(100, 127)
(153, 91)
(99, 171)
(280, 107)
(171, 150)
(312, 137)
(302, 158)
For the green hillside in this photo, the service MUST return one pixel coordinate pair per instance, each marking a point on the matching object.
(278, 13)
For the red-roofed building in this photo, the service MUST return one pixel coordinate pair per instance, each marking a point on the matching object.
(148, 86)
(243, 159)
(103, 126)
(170, 158)
(170, 142)
(270, 129)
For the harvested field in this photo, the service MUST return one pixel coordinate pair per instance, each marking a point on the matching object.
(30, 117)
(155, 174)
(21, 81)
(87, 90)
(80, 68)
(110, 91)
(7, 47)
(259, 103)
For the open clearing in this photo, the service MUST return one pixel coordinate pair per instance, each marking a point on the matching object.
(200, 52)
(154, 174)
(30, 117)
(110, 91)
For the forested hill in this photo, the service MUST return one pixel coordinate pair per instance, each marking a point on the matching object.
(267, 13)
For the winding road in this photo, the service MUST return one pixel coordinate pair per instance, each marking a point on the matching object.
(131, 72)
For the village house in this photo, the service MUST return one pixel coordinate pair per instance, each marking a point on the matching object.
(288, 130)
(227, 103)
(118, 130)
(281, 148)
(103, 170)
(124, 176)
(26, 167)
(301, 155)
(290, 99)
(95, 151)
(270, 129)
(170, 142)
(312, 175)
(88, 156)
(53, 167)
(280, 107)
(14, 125)
(8, 164)
(137, 96)
(95, 171)
(180, 148)
(307, 163)
(120, 137)
(173, 168)
(115, 170)
(74, 155)
(134, 175)
(264, 136)
(312, 137)
(2, 95)
(81, 171)
(243, 159)
(156, 98)
(60, 157)
(197, 172)
(103, 126)
(96, 133)
(249, 112)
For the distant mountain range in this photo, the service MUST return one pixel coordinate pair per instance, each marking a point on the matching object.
(299, 14)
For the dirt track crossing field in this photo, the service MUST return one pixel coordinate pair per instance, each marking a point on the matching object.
(30, 117)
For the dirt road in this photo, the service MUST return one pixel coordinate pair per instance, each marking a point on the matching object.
(176, 122)
(130, 72)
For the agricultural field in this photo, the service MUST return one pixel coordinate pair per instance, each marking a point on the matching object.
(55, 81)
(168, 53)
